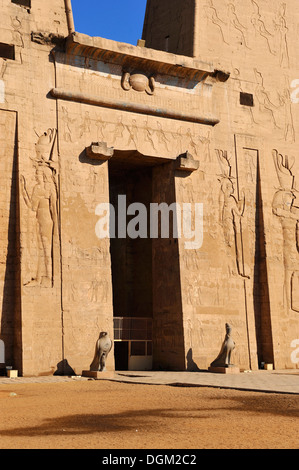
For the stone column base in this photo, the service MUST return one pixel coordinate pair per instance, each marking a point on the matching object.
(95, 374)
(224, 370)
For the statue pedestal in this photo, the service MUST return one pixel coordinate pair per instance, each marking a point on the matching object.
(95, 374)
(224, 370)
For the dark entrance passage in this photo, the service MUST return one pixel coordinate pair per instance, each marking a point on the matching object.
(147, 304)
(121, 351)
(130, 182)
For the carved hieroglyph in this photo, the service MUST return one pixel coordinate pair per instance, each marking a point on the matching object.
(285, 208)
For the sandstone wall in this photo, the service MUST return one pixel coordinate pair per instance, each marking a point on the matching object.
(256, 43)
(217, 81)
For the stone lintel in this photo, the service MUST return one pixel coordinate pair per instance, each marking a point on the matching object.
(151, 110)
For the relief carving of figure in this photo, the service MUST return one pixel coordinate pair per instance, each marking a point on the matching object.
(133, 134)
(284, 207)
(212, 15)
(119, 129)
(259, 25)
(101, 128)
(149, 135)
(231, 211)
(235, 22)
(67, 124)
(16, 33)
(43, 202)
(162, 138)
(282, 31)
(266, 107)
(85, 126)
(286, 105)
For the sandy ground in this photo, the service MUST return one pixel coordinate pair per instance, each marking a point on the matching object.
(109, 415)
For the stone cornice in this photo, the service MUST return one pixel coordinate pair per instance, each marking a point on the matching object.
(133, 58)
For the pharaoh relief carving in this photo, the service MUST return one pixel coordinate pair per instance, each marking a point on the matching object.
(274, 35)
(281, 29)
(286, 113)
(43, 202)
(259, 26)
(277, 41)
(279, 114)
(235, 23)
(266, 107)
(17, 36)
(231, 212)
(285, 209)
(274, 111)
(147, 135)
(231, 22)
(212, 16)
(138, 82)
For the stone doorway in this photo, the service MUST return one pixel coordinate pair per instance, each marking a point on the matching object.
(142, 265)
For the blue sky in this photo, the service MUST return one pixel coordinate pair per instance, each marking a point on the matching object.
(120, 20)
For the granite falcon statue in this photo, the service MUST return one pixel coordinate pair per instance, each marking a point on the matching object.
(103, 347)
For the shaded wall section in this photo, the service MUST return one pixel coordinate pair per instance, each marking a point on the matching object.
(168, 334)
(168, 26)
(9, 260)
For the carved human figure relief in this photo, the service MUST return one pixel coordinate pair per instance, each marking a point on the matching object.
(259, 25)
(205, 142)
(149, 135)
(119, 129)
(212, 15)
(285, 208)
(266, 107)
(85, 126)
(282, 31)
(17, 36)
(231, 211)
(162, 138)
(43, 202)
(240, 89)
(67, 124)
(133, 134)
(287, 115)
(191, 142)
(236, 24)
(101, 128)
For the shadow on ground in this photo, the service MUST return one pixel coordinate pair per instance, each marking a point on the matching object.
(80, 424)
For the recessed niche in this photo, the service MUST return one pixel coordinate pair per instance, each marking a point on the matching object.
(246, 99)
(23, 3)
(7, 51)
